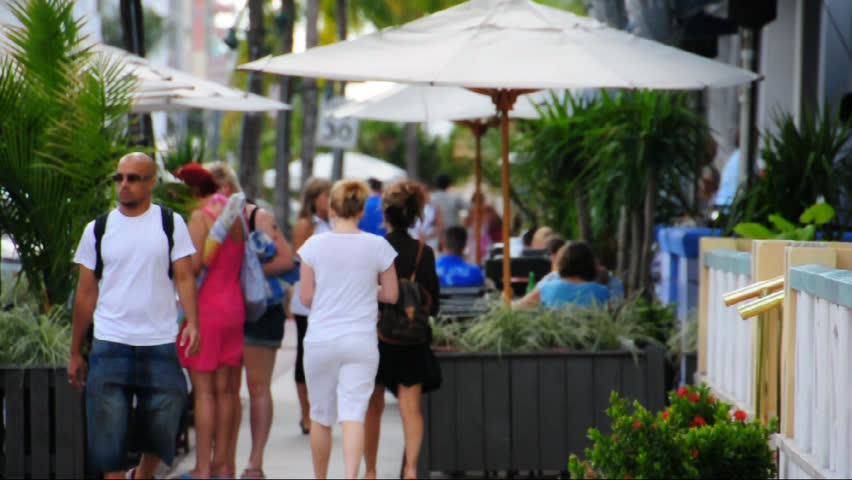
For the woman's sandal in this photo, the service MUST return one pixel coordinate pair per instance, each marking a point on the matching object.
(253, 473)
(306, 429)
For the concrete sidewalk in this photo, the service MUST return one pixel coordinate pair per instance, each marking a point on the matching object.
(288, 452)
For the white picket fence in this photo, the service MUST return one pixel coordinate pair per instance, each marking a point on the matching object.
(729, 338)
(821, 443)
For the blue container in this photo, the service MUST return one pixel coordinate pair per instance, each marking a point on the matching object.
(679, 266)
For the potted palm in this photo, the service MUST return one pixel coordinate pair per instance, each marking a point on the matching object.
(62, 118)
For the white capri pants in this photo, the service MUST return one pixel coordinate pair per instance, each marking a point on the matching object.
(340, 376)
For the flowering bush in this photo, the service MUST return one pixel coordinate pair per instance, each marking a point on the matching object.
(695, 437)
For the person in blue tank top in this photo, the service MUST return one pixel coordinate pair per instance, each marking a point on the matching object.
(452, 270)
(576, 285)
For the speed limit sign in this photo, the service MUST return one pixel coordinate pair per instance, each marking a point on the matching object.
(335, 132)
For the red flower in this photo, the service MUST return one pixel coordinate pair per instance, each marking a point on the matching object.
(666, 415)
(740, 415)
(694, 452)
(616, 438)
(681, 392)
(637, 424)
(693, 397)
(627, 476)
(653, 426)
(699, 421)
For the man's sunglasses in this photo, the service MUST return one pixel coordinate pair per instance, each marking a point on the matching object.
(131, 177)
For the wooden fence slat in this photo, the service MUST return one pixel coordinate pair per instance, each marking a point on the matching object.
(40, 423)
(634, 385)
(443, 418)
(15, 425)
(579, 381)
(552, 413)
(655, 358)
(469, 415)
(823, 379)
(607, 374)
(525, 434)
(497, 414)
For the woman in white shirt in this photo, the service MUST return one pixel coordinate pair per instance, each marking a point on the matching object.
(338, 275)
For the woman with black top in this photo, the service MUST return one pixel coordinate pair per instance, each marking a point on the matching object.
(406, 370)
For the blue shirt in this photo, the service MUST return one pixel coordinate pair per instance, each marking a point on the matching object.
(730, 181)
(557, 293)
(372, 220)
(453, 271)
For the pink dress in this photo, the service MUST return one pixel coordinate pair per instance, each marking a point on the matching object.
(221, 312)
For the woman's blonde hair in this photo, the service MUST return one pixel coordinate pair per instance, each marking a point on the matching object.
(224, 175)
(348, 196)
(314, 187)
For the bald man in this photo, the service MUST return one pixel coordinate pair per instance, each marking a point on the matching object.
(130, 293)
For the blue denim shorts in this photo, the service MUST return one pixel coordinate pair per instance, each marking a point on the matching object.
(117, 374)
(268, 330)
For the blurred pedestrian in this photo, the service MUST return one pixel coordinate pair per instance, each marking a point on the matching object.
(344, 274)
(130, 267)
(373, 221)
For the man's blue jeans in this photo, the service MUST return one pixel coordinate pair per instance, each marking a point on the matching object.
(117, 373)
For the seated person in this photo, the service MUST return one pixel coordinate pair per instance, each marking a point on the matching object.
(613, 283)
(576, 285)
(453, 271)
(552, 246)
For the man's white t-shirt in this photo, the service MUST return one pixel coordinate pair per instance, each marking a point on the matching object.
(136, 298)
(346, 271)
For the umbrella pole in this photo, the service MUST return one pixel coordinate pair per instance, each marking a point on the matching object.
(507, 214)
(477, 197)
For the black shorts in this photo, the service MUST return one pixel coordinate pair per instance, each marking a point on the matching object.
(268, 330)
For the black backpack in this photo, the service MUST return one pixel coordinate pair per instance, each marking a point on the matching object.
(407, 321)
(100, 228)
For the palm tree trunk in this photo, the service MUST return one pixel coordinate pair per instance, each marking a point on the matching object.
(412, 163)
(635, 249)
(284, 129)
(623, 244)
(340, 13)
(648, 237)
(252, 122)
(584, 220)
(309, 94)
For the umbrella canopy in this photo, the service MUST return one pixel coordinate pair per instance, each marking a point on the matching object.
(506, 48)
(508, 44)
(356, 166)
(167, 89)
(422, 103)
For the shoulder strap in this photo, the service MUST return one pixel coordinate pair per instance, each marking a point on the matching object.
(169, 229)
(417, 262)
(251, 218)
(100, 228)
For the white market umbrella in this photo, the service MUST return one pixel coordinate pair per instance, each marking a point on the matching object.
(417, 103)
(164, 88)
(356, 166)
(505, 48)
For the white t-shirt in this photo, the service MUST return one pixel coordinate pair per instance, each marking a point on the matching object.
(136, 298)
(346, 270)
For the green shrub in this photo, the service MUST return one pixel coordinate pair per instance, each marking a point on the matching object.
(29, 337)
(630, 324)
(695, 437)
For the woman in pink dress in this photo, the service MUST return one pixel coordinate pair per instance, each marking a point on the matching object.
(221, 312)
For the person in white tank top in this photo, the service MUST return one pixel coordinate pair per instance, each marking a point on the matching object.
(313, 220)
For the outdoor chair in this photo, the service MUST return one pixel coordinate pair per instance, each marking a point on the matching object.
(521, 268)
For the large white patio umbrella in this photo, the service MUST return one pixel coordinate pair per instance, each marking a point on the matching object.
(356, 165)
(505, 48)
(164, 88)
(418, 103)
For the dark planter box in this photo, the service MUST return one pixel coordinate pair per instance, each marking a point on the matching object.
(528, 411)
(43, 424)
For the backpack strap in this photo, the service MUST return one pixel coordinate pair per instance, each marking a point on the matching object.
(169, 229)
(100, 228)
(251, 218)
(417, 262)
